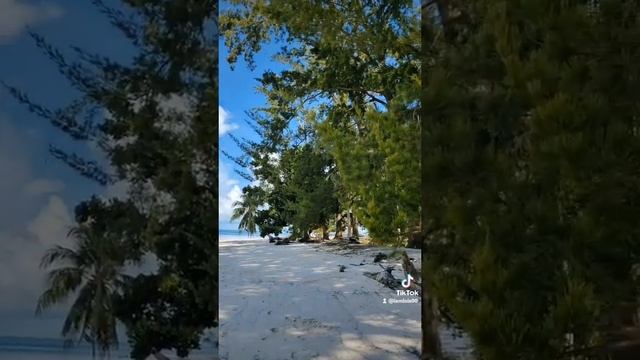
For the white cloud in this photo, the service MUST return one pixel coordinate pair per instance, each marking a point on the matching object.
(39, 187)
(20, 189)
(176, 110)
(224, 126)
(176, 103)
(148, 198)
(52, 223)
(117, 190)
(15, 15)
(33, 217)
(229, 192)
(21, 279)
(274, 159)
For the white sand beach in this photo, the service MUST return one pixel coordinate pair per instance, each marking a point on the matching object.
(292, 302)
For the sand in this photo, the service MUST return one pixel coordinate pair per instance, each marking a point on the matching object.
(292, 302)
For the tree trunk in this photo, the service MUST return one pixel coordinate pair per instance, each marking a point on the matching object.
(415, 240)
(354, 225)
(431, 347)
(325, 233)
(339, 226)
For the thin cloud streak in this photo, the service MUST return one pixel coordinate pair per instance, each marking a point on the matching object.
(17, 15)
(224, 124)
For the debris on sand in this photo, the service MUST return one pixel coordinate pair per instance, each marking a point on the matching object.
(379, 257)
(385, 277)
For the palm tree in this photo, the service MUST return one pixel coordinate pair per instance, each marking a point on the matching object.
(92, 270)
(246, 209)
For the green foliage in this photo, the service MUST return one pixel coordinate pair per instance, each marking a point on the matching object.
(351, 92)
(529, 176)
(144, 309)
(313, 190)
(247, 208)
(94, 269)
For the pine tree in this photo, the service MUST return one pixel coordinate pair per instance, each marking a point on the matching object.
(315, 196)
(528, 158)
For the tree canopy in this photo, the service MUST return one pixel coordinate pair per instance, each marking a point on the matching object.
(529, 173)
(344, 112)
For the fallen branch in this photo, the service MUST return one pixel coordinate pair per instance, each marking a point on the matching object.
(410, 269)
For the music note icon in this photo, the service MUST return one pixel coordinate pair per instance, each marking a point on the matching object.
(407, 282)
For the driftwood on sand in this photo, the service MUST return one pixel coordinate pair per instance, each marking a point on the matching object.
(387, 279)
(410, 269)
(278, 240)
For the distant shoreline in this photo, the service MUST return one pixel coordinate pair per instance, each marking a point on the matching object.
(234, 234)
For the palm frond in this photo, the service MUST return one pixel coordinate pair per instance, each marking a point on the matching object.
(57, 254)
(92, 270)
(62, 283)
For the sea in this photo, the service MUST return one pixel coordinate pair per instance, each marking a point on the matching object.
(235, 234)
(25, 348)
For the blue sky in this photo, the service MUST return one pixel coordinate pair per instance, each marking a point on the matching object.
(238, 94)
(39, 193)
